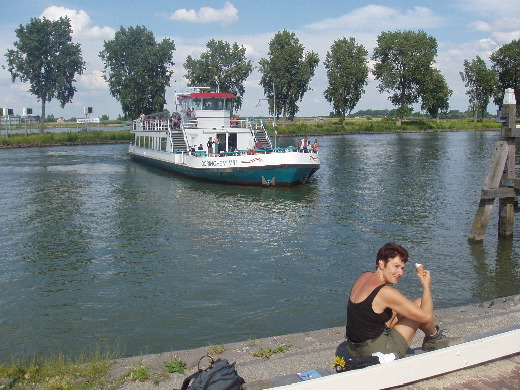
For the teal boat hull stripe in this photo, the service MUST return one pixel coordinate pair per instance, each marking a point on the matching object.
(284, 175)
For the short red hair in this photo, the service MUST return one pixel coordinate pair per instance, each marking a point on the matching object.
(389, 251)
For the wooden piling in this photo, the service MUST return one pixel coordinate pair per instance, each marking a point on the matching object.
(501, 182)
(506, 212)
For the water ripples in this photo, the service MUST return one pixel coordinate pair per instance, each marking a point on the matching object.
(96, 247)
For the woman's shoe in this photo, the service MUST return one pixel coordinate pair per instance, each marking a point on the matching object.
(439, 340)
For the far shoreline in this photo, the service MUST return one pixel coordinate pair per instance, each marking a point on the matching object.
(107, 142)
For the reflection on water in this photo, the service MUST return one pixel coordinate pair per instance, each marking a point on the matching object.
(99, 248)
(498, 271)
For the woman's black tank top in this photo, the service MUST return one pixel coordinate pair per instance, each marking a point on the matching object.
(362, 322)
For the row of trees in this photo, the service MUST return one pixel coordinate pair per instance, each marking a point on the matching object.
(138, 70)
(386, 113)
(403, 66)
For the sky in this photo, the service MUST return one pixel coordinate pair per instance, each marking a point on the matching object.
(464, 29)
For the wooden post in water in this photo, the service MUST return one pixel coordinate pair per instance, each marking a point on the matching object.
(506, 213)
(501, 180)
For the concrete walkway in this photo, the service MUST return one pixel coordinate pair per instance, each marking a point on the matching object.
(500, 374)
(316, 349)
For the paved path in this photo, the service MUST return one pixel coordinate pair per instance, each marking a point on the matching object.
(316, 349)
(500, 374)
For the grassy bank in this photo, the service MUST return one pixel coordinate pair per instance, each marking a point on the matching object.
(65, 138)
(88, 371)
(321, 126)
(299, 127)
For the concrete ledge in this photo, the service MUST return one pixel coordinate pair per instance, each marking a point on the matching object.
(422, 366)
(315, 349)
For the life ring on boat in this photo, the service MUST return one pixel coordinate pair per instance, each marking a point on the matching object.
(234, 122)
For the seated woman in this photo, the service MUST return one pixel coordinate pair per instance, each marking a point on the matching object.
(381, 319)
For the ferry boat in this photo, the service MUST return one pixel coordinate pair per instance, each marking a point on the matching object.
(203, 140)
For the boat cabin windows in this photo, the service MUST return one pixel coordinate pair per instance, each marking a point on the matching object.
(207, 103)
(192, 103)
(228, 104)
(213, 104)
(196, 103)
(149, 142)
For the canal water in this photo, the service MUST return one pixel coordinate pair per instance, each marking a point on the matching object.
(97, 249)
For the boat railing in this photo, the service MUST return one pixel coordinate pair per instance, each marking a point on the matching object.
(162, 124)
(239, 123)
(190, 123)
(159, 124)
(234, 122)
(182, 143)
(246, 152)
(259, 130)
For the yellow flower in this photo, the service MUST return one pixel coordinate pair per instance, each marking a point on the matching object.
(339, 362)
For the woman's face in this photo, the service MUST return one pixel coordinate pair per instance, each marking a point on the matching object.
(393, 270)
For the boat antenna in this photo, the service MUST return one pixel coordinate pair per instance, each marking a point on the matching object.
(274, 115)
(196, 89)
(274, 105)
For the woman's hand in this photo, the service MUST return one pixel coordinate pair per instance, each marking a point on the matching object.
(425, 279)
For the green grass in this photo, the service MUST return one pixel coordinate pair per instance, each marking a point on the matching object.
(58, 372)
(386, 125)
(175, 366)
(88, 371)
(143, 373)
(139, 373)
(266, 353)
(64, 138)
(216, 349)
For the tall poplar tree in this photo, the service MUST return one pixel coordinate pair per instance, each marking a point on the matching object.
(286, 73)
(45, 56)
(506, 63)
(137, 70)
(435, 94)
(347, 72)
(223, 66)
(402, 59)
(480, 83)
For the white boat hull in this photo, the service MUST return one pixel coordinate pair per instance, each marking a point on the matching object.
(285, 168)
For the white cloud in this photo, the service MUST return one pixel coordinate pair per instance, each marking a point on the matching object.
(497, 9)
(480, 26)
(251, 52)
(485, 45)
(502, 30)
(226, 15)
(385, 18)
(80, 23)
(93, 80)
(504, 37)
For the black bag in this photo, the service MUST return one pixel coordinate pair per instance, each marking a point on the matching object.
(357, 363)
(220, 375)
